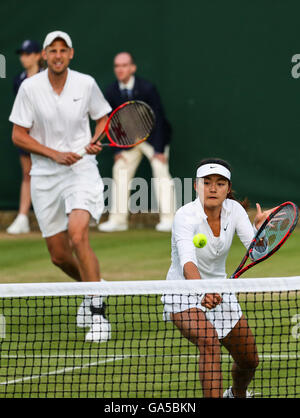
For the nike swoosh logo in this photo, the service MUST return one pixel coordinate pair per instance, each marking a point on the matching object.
(212, 167)
(76, 100)
(226, 227)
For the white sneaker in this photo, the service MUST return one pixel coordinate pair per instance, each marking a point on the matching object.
(84, 314)
(111, 226)
(164, 226)
(229, 394)
(100, 330)
(19, 226)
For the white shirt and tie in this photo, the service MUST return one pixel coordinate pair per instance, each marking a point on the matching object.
(127, 88)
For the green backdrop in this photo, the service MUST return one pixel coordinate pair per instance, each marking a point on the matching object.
(223, 70)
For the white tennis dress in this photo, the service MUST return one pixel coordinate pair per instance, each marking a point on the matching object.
(61, 122)
(210, 260)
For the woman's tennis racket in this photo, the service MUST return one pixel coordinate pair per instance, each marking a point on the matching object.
(128, 125)
(270, 237)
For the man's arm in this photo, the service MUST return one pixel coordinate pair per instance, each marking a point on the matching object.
(100, 125)
(22, 139)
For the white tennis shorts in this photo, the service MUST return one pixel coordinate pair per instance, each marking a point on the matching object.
(55, 196)
(223, 317)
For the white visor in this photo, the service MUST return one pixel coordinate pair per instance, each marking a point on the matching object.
(212, 168)
(57, 34)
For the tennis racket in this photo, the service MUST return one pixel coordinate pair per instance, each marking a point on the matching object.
(270, 237)
(128, 125)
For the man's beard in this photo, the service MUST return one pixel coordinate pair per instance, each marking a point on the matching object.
(58, 72)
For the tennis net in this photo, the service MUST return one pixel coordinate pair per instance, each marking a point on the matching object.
(44, 353)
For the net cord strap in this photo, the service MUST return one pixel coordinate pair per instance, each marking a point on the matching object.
(157, 287)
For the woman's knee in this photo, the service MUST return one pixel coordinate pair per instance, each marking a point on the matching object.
(250, 362)
(208, 345)
(208, 341)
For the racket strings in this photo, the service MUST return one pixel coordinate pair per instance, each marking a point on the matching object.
(281, 224)
(131, 124)
(117, 132)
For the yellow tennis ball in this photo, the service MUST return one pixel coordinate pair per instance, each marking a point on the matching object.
(200, 240)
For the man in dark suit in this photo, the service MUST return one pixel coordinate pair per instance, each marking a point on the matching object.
(156, 148)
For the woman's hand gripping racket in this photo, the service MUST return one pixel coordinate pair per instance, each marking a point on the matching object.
(270, 237)
(128, 125)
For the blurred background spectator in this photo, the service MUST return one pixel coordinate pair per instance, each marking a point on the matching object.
(32, 62)
(130, 87)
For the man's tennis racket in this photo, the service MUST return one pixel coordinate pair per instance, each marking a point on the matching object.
(128, 125)
(270, 237)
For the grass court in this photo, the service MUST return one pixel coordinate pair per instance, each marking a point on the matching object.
(44, 353)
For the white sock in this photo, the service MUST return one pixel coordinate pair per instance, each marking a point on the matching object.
(22, 216)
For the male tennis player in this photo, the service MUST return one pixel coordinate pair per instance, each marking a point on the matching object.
(212, 319)
(51, 121)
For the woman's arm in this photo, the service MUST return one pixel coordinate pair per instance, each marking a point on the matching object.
(261, 216)
(209, 300)
(244, 229)
(190, 271)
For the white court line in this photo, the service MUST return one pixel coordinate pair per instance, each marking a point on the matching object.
(60, 371)
(265, 356)
(108, 359)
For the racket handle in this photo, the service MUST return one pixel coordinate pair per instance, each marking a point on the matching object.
(83, 151)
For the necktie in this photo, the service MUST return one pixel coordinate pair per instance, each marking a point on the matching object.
(126, 94)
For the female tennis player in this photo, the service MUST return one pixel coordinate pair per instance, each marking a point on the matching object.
(212, 320)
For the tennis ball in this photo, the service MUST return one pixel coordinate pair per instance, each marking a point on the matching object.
(200, 240)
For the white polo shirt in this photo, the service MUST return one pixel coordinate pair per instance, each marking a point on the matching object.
(211, 259)
(60, 122)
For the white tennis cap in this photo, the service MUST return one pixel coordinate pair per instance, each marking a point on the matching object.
(212, 168)
(57, 34)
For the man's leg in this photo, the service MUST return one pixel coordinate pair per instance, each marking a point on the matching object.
(91, 312)
(78, 230)
(62, 254)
